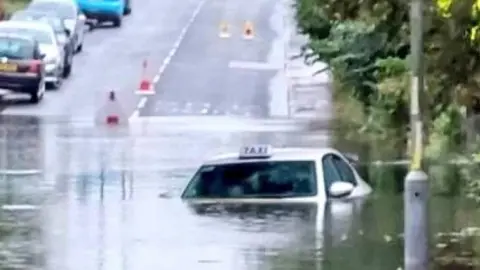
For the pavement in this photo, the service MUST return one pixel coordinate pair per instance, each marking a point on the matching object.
(107, 197)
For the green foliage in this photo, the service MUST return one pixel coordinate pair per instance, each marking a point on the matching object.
(353, 36)
(14, 5)
(366, 44)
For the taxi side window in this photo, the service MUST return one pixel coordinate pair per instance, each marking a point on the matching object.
(344, 170)
(330, 174)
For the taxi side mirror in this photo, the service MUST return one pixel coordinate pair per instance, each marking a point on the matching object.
(352, 158)
(340, 189)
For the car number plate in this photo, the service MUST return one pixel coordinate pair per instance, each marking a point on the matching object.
(8, 67)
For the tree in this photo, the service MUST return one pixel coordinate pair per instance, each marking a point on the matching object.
(366, 43)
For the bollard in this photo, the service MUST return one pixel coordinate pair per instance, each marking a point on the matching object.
(416, 221)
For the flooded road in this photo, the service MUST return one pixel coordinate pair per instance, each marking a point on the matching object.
(76, 196)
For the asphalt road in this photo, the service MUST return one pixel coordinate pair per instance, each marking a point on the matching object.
(197, 79)
(112, 60)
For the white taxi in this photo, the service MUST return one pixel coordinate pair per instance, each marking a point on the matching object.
(263, 174)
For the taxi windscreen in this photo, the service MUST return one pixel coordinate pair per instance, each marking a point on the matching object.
(274, 179)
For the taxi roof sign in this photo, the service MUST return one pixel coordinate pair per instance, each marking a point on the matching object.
(256, 151)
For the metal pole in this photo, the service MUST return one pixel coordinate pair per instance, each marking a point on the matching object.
(416, 181)
(417, 83)
(286, 47)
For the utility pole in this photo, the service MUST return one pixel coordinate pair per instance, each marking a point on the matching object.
(416, 181)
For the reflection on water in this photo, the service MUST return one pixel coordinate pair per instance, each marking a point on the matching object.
(103, 211)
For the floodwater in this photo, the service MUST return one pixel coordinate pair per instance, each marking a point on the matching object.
(75, 196)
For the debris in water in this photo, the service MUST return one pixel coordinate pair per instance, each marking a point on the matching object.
(387, 238)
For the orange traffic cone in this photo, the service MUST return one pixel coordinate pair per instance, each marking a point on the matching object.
(224, 33)
(248, 30)
(146, 87)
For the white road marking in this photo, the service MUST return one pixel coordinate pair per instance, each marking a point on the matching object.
(20, 172)
(172, 52)
(224, 35)
(13, 207)
(142, 103)
(134, 115)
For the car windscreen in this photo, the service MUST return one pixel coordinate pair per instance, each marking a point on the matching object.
(55, 23)
(269, 179)
(16, 48)
(41, 36)
(63, 10)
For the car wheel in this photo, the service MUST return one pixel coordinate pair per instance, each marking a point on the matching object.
(67, 70)
(117, 22)
(91, 27)
(38, 93)
(127, 11)
(56, 85)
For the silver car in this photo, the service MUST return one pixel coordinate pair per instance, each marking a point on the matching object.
(69, 12)
(46, 38)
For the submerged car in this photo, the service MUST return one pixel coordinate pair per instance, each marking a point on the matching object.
(105, 10)
(263, 174)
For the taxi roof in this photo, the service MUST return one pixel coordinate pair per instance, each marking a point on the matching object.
(277, 154)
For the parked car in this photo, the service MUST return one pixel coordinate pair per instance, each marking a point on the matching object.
(69, 12)
(44, 34)
(21, 67)
(61, 31)
(105, 10)
(262, 174)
